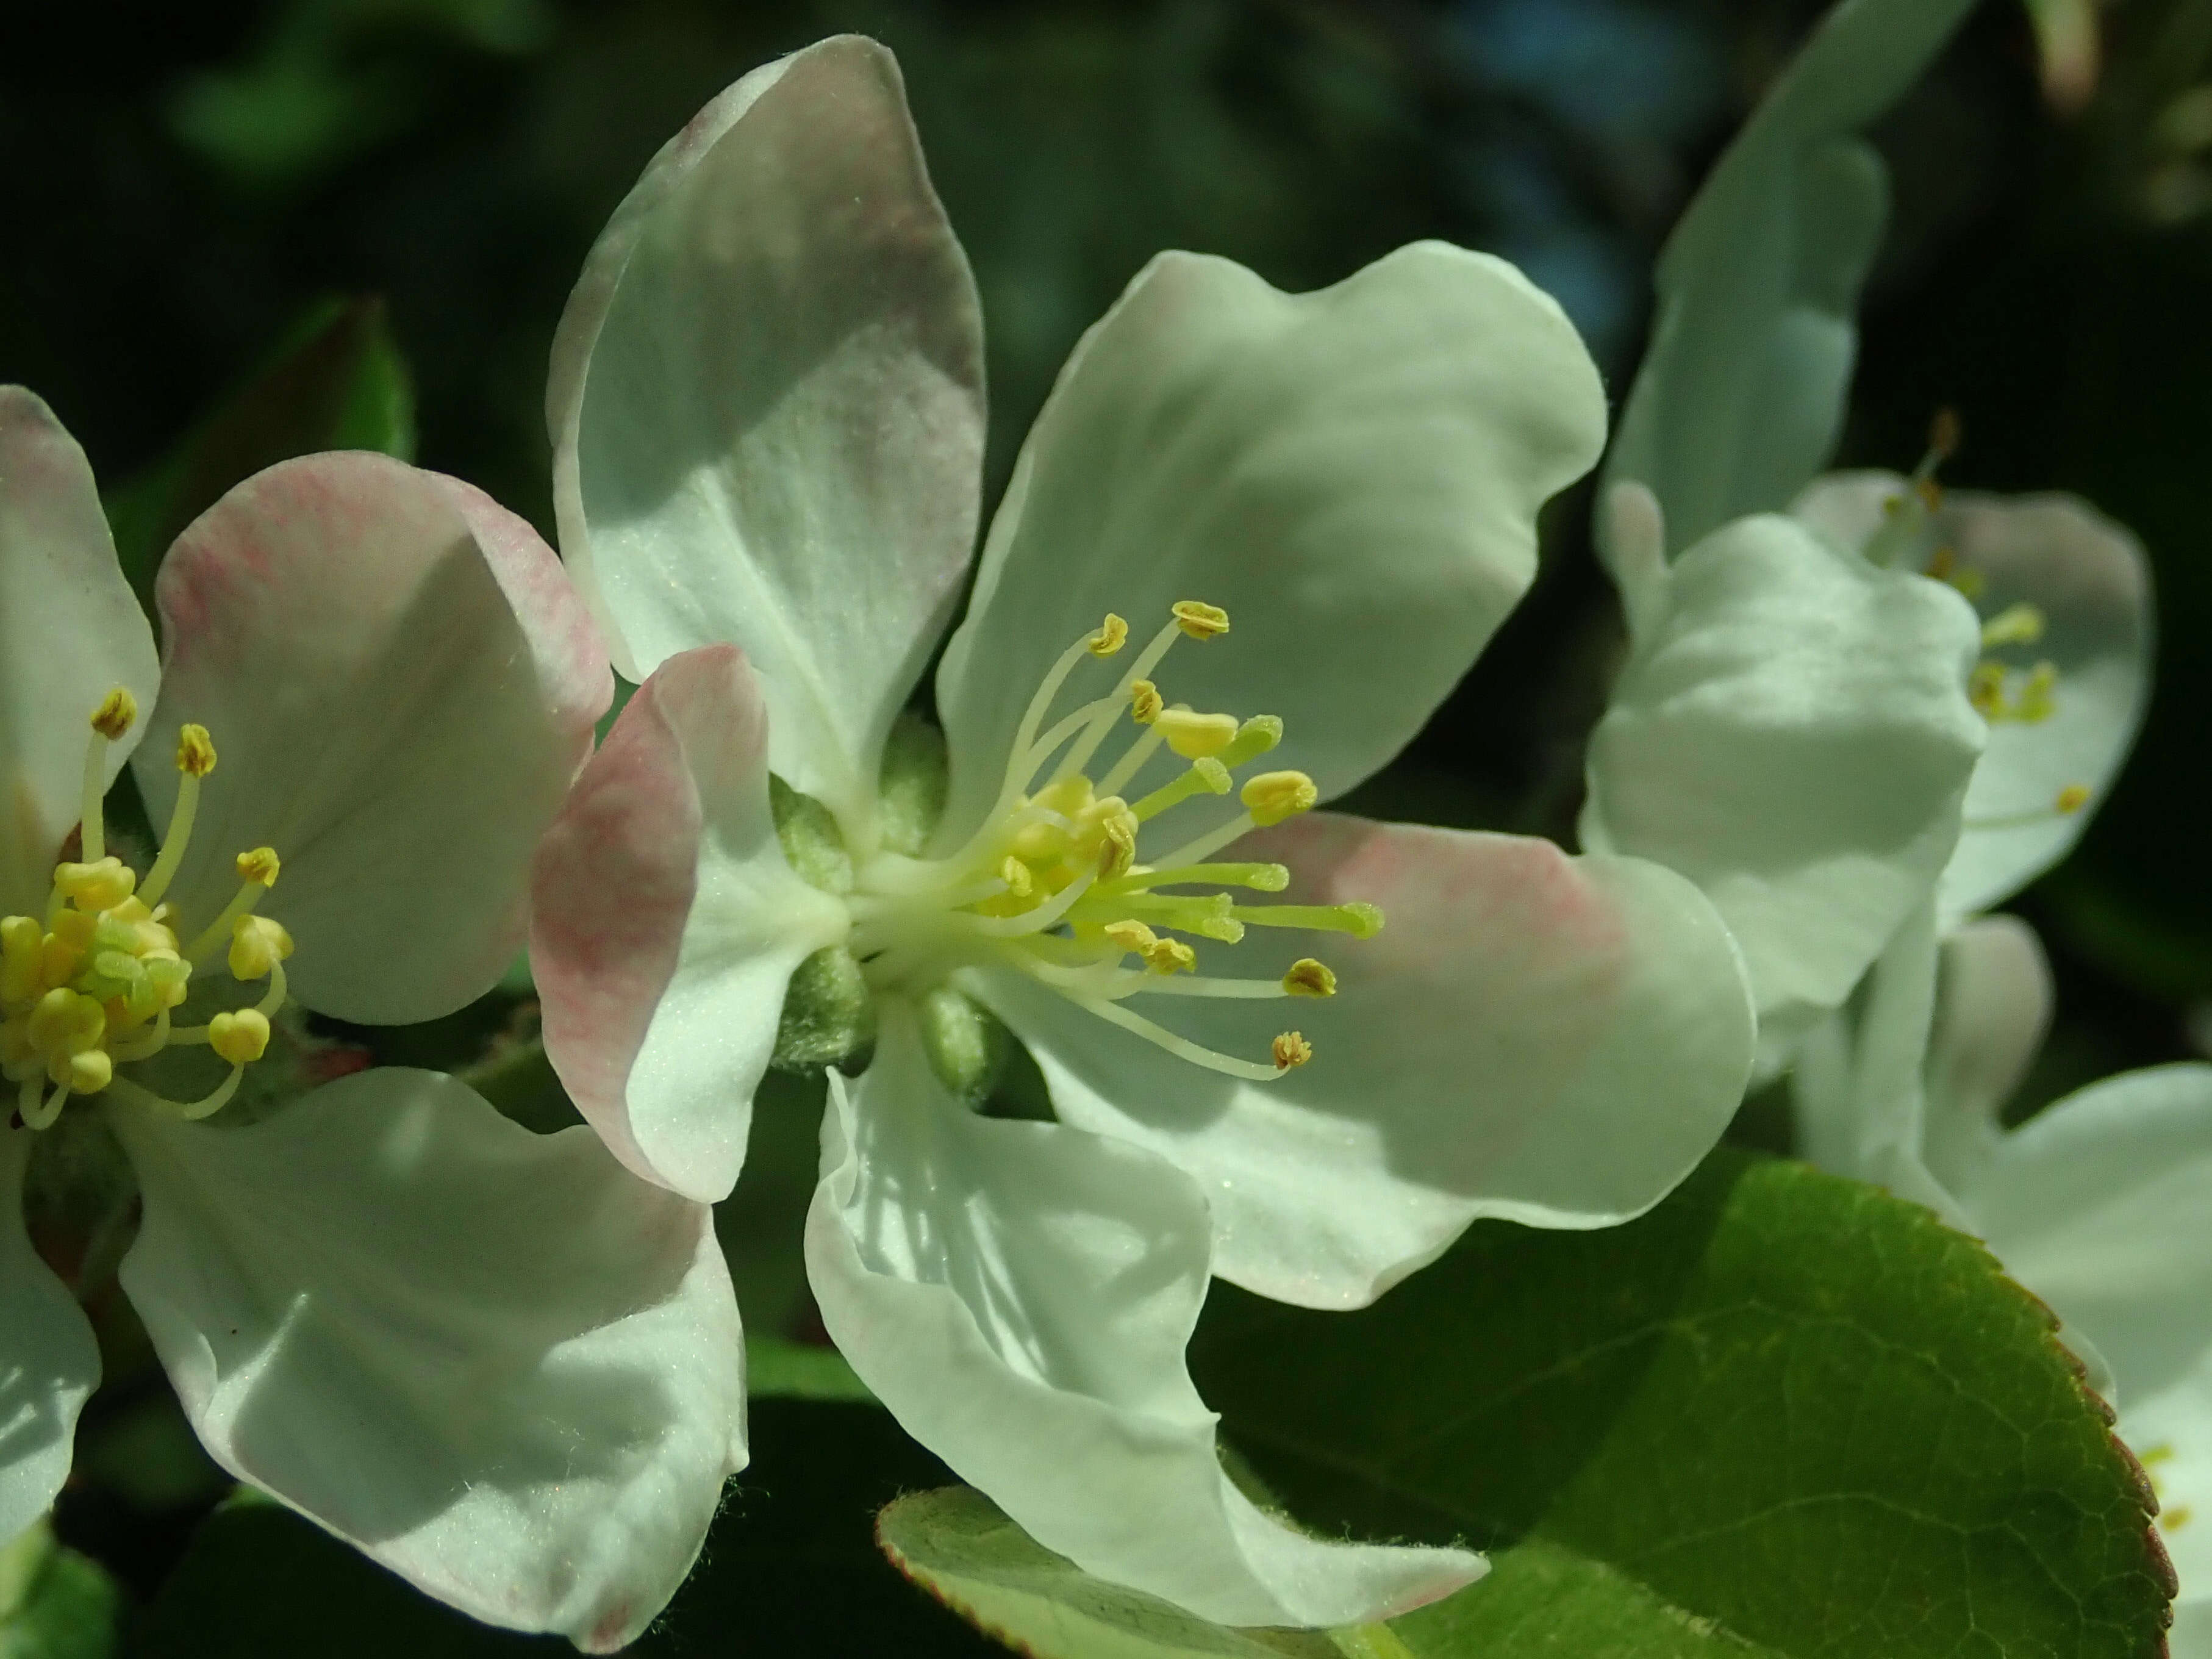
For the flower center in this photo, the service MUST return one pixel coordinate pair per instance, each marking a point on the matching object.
(1071, 884)
(94, 982)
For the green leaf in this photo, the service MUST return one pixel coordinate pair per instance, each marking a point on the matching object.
(1784, 1414)
(776, 1367)
(336, 380)
(54, 1603)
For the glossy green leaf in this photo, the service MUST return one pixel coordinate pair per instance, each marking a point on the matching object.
(1784, 1414)
(335, 381)
(54, 1603)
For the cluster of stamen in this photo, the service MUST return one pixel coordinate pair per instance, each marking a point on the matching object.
(93, 983)
(1054, 882)
(2002, 692)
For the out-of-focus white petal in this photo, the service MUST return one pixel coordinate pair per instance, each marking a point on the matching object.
(70, 631)
(1354, 474)
(496, 1362)
(665, 925)
(400, 685)
(767, 407)
(1555, 1041)
(1993, 1007)
(2088, 580)
(1019, 1295)
(1741, 393)
(1793, 734)
(50, 1361)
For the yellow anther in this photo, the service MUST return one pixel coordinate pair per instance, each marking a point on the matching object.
(1193, 735)
(1117, 850)
(261, 866)
(1930, 493)
(1113, 634)
(1016, 874)
(2175, 1519)
(1308, 978)
(1985, 689)
(1132, 936)
(2036, 702)
(1254, 738)
(1145, 703)
(15, 1042)
(22, 943)
(1170, 956)
(117, 713)
(1198, 620)
(85, 1073)
(195, 751)
(65, 1022)
(2072, 798)
(242, 1037)
(170, 977)
(1274, 796)
(1291, 1049)
(95, 887)
(257, 944)
(2017, 624)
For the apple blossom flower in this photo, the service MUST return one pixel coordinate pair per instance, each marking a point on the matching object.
(1252, 542)
(495, 1361)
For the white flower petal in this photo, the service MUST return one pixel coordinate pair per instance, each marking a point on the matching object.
(1555, 1041)
(2098, 1206)
(1354, 474)
(400, 685)
(766, 408)
(70, 631)
(666, 923)
(2091, 582)
(1793, 734)
(1019, 1295)
(51, 1363)
(1993, 1007)
(1742, 394)
(496, 1362)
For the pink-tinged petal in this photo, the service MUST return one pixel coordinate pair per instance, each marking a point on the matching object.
(666, 924)
(495, 1361)
(400, 685)
(767, 407)
(1552, 1040)
(71, 632)
(51, 1363)
(1020, 1296)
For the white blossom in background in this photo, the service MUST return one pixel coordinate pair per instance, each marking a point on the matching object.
(495, 1361)
(1252, 542)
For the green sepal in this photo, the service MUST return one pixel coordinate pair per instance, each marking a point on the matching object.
(812, 844)
(829, 1015)
(55, 1603)
(912, 789)
(966, 1043)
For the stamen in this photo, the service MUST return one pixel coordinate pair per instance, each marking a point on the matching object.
(1038, 919)
(117, 713)
(1308, 978)
(1205, 776)
(1275, 796)
(1181, 1047)
(34, 1115)
(1200, 620)
(1146, 703)
(258, 946)
(240, 1037)
(1079, 756)
(1209, 915)
(191, 1111)
(1132, 762)
(258, 871)
(98, 885)
(2017, 624)
(1117, 851)
(194, 760)
(2069, 800)
(1254, 738)
(1113, 634)
(1193, 735)
(1291, 1049)
(1359, 920)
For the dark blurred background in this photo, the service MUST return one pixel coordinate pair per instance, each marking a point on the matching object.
(181, 185)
